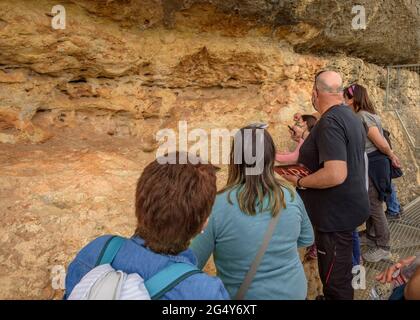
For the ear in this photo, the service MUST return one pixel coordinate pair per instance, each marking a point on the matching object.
(314, 96)
(315, 92)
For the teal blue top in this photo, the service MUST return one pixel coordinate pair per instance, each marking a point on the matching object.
(235, 237)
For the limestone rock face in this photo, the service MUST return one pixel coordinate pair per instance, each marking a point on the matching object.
(80, 107)
(325, 26)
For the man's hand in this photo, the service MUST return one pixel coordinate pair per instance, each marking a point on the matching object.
(297, 133)
(297, 117)
(395, 161)
(386, 276)
(291, 178)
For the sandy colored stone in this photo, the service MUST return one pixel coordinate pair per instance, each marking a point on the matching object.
(80, 107)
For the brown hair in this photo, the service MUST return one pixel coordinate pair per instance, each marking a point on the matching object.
(360, 98)
(310, 121)
(173, 202)
(252, 189)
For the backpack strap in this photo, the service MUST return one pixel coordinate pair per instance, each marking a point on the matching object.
(168, 278)
(110, 250)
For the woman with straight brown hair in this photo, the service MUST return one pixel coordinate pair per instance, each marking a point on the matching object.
(251, 203)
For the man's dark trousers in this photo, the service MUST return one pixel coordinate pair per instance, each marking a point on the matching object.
(335, 251)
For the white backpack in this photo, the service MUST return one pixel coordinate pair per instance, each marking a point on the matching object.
(105, 283)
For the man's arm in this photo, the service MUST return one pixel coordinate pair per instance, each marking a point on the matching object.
(380, 142)
(332, 174)
(332, 149)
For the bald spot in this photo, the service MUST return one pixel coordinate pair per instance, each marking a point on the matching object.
(330, 81)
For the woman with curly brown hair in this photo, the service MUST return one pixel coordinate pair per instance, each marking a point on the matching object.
(172, 205)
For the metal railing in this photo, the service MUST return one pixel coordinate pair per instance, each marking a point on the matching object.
(402, 94)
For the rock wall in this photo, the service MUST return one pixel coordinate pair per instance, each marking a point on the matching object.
(80, 107)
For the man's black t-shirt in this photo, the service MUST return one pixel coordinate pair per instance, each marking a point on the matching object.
(338, 135)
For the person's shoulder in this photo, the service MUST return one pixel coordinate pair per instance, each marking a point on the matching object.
(292, 201)
(339, 111)
(221, 206)
(98, 242)
(364, 112)
(90, 252)
(205, 287)
(327, 121)
(292, 198)
(369, 117)
(84, 261)
(289, 194)
(367, 114)
(222, 198)
(338, 116)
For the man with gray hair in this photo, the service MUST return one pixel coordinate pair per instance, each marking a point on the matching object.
(335, 193)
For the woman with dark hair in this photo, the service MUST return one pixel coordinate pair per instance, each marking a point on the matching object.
(381, 157)
(246, 209)
(310, 121)
(301, 129)
(303, 126)
(172, 205)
